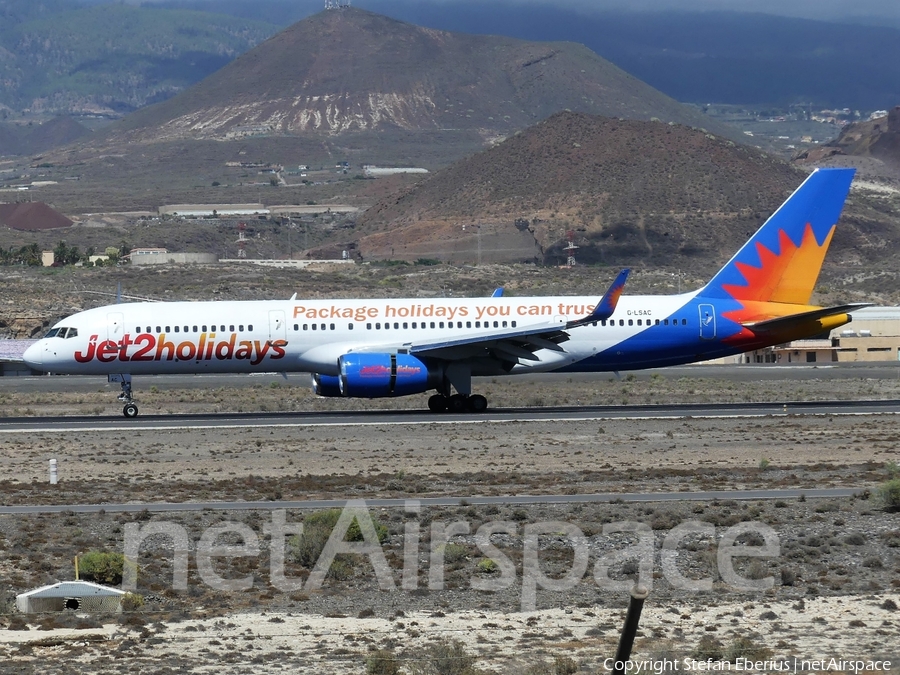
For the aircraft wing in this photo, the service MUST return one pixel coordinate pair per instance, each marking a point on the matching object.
(513, 345)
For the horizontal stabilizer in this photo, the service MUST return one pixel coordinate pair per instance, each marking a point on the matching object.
(782, 322)
(607, 304)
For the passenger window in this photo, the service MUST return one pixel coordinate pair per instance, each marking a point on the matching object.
(514, 324)
(332, 326)
(432, 324)
(405, 325)
(684, 322)
(468, 324)
(665, 322)
(496, 325)
(349, 326)
(397, 325)
(639, 322)
(250, 328)
(441, 324)
(195, 329)
(158, 329)
(377, 326)
(241, 329)
(323, 326)
(621, 322)
(168, 330)
(657, 323)
(459, 324)
(296, 326)
(314, 326)
(414, 324)
(368, 326)
(204, 329)
(477, 324)
(136, 330)
(149, 329)
(504, 324)
(223, 328)
(306, 326)
(231, 328)
(602, 323)
(630, 322)
(176, 329)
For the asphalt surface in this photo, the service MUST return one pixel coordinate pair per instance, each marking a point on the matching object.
(731, 373)
(71, 424)
(163, 507)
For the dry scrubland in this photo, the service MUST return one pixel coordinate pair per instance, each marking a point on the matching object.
(836, 579)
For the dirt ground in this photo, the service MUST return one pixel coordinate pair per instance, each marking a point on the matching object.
(836, 573)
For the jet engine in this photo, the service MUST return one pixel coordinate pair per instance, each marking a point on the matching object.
(326, 385)
(378, 375)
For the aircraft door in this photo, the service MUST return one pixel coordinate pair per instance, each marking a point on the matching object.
(707, 322)
(115, 326)
(277, 328)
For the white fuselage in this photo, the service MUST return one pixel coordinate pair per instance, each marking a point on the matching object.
(310, 335)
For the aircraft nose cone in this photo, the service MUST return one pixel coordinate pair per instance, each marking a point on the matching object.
(34, 355)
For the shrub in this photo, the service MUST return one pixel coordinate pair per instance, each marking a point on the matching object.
(745, 647)
(382, 662)
(132, 602)
(317, 528)
(889, 494)
(455, 552)
(487, 566)
(101, 567)
(708, 648)
(450, 658)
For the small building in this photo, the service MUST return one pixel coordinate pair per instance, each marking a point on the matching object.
(81, 596)
(47, 258)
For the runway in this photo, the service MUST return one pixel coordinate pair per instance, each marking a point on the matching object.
(169, 507)
(17, 425)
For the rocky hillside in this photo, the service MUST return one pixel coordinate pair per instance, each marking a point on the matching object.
(630, 190)
(351, 70)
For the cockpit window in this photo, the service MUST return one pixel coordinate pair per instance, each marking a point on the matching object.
(62, 332)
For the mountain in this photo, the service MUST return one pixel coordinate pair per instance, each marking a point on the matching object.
(686, 50)
(29, 139)
(110, 59)
(351, 71)
(631, 191)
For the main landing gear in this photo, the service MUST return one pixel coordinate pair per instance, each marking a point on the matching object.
(129, 409)
(457, 403)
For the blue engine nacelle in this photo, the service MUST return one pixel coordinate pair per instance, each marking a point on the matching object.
(378, 375)
(326, 385)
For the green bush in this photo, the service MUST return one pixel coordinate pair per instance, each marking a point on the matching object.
(317, 528)
(889, 494)
(101, 567)
(131, 602)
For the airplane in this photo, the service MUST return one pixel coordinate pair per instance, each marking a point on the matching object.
(401, 347)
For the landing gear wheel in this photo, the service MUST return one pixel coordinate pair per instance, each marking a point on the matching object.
(476, 403)
(456, 403)
(130, 410)
(437, 403)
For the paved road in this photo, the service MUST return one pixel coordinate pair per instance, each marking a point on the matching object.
(163, 507)
(742, 373)
(500, 415)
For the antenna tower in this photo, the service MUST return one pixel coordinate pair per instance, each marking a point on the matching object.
(570, 248)
(241, 239)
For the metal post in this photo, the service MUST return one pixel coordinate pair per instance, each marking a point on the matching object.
(626, 641)
(53, 474)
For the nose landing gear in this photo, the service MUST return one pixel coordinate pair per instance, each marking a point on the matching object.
(130, 408)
